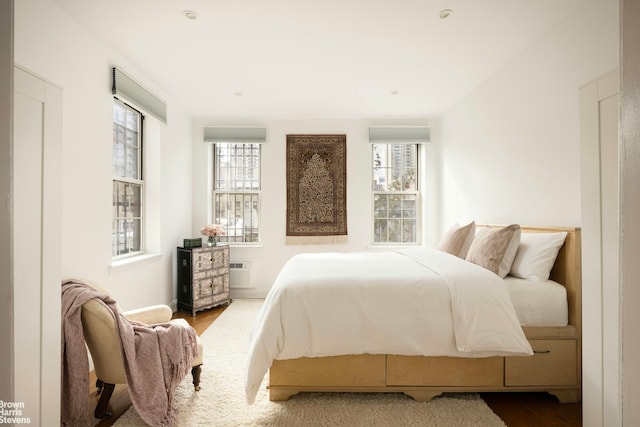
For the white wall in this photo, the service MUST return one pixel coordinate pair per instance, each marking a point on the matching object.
(51, 44)
(268, 259)
(511, 149)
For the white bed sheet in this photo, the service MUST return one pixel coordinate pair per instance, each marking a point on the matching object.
(538, 303)
(411, 302)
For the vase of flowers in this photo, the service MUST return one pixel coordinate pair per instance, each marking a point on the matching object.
(212, 231)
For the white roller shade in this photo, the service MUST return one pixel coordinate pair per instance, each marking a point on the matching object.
(254, 135)
(130, 91)
(399, 134)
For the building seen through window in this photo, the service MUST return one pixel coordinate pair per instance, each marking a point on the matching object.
(395, 193)
(236, 198)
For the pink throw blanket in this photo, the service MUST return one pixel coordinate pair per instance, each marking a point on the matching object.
(156, 359)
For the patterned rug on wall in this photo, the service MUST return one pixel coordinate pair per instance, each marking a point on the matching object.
(221, 402)
(316, 187)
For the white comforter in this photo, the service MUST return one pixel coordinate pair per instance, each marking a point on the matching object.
(410, 302)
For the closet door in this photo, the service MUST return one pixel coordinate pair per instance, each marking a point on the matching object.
(37, 147)
(600, 252)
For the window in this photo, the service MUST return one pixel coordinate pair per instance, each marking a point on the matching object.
(395, 193)
(128, 181)
(236, 197)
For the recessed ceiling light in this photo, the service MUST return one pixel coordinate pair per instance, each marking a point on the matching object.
(238, 93)
(445, 13)
(190, 14)
(395, 92)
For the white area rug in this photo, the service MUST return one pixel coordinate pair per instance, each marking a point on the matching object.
(221, 402)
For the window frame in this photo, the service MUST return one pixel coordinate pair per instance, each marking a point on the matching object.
(234, 192)
(416, 193)
(140, 182)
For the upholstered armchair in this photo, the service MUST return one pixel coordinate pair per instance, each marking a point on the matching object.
(102, 339)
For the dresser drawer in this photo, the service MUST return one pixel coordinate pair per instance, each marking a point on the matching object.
(365, 370)
(202, 260)
(207, 288)
(218, 284)
(208, 258)
(554, 363)
(203, 291)
(220, 259)
(444, 371)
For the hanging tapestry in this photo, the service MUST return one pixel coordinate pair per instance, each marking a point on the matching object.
(316, 186)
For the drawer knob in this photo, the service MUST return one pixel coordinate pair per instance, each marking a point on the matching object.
(541, 351)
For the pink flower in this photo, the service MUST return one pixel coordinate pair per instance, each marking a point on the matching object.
(212, 230)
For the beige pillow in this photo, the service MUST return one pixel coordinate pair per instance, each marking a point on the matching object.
(457, 239)
(495, 248)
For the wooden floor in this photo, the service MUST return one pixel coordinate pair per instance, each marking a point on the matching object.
(515, 409)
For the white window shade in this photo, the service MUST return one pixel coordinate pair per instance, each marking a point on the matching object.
(255, 135)
(399, 134)
(130, 91)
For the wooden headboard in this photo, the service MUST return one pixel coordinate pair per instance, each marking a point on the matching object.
(567, 269)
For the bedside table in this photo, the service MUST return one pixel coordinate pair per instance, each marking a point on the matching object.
(203, 278)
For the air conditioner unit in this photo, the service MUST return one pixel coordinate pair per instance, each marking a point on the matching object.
(240, 275)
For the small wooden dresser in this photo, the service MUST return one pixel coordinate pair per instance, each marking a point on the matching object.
(203, 278)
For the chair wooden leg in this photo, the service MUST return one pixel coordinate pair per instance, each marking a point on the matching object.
(101, 407)
(195, 373)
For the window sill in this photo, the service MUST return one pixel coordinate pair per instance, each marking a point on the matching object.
(392, 247)
(133, 261)
(244, 245)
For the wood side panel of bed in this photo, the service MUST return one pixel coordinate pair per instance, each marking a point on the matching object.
(555, 367)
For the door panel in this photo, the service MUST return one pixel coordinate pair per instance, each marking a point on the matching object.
(36, 245)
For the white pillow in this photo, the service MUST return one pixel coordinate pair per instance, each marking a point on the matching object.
(457, 239)
(536, 255)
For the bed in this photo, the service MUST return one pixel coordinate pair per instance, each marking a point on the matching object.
(311, 334)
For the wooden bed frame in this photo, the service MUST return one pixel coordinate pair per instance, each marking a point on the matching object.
(555, 367)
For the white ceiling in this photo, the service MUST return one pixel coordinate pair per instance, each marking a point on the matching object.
(318, 58)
